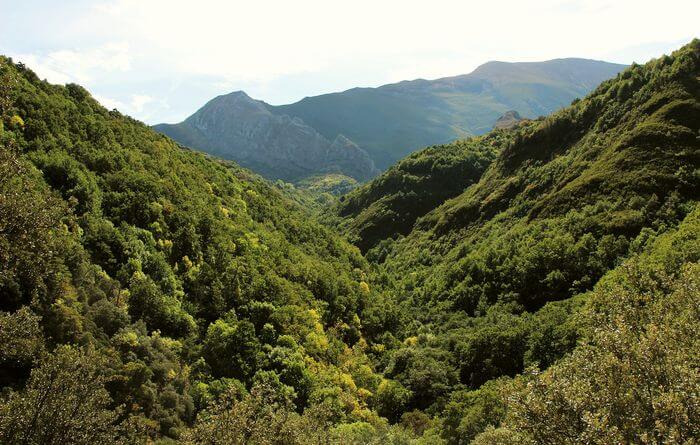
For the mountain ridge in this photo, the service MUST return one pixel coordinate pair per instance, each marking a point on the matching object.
(388, 122)
(417, 113)
(560, 224)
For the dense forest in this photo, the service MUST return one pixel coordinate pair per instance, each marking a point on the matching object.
(538, 284)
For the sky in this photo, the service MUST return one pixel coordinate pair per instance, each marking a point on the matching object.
(160, 60)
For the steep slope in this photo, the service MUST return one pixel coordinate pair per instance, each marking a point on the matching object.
(394, 120)
(390, 205)
(638, 358)
(177, 277)
(239, 128)
(487, 282)
(616, 159)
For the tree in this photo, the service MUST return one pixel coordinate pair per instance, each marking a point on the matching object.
(468, 413)
(231, 348)
(636, 378)
(30, 235)
(265, 416)
(391, 399)
(21, 344)
(64, 402)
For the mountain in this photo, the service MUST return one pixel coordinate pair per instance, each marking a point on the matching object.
(323, 134)
(440, 172)
(392, 121)
(390, 205)
(242, 129)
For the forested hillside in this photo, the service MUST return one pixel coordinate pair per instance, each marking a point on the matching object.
(490, 282)
(174, 277)
(391, 204)
(539, 284)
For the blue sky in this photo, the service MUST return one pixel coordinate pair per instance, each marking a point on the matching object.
(160, 60)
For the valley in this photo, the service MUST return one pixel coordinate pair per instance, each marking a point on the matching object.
(534, 283)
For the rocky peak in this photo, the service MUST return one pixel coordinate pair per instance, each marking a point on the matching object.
(507, 120)
(278, 146)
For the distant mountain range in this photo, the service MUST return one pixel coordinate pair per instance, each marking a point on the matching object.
(352, 131)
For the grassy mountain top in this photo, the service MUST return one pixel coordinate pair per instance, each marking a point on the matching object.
(392, 121)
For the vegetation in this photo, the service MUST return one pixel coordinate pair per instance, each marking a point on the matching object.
(389, 206)
(179, 275)
(334, 184)
(634, 378)
(498, 279)
(534, 285)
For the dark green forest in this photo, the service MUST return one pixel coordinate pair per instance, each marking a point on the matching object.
(535, 285)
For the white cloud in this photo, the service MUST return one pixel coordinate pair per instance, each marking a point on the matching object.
(138, 101)
(68, 65)
(244, 40)
(137, 104)
(168, 49)
(109, 103)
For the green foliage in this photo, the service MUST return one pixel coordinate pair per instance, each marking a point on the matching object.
(30, 232)
(634, 379)
(64, 402)
(332, 183)
(427, 372)
(468, 413)
(265, 416)
(120, 240)
(21, 345)
(390, 205)
(493, 280)
(231, 349)
(392, 398)
(147, 303)
(204, 305)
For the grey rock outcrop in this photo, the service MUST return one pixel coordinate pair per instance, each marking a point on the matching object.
(509, 119)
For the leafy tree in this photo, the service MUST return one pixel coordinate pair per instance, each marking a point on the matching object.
(468, 413)
(392, 399)
(265, 416)
(231, 348)
(65, 402)
(634, 379)
(21, 345)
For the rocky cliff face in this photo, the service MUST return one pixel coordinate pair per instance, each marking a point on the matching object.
(237, 127)
(509, 119)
